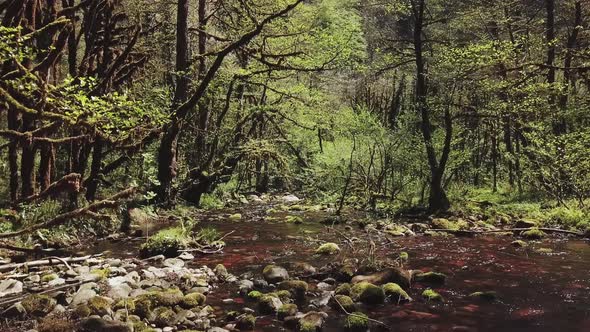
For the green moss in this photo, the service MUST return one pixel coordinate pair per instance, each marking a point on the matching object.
(328, 249)
(307, 327)
(431, 295)
(101, 274)
(266, 303)
(81, 311)
(143, 305)
(519, 243)
(394, 292)
(283, 295)
(367, 293)
(246, 322)
(403, 256)
(235, 217)
(533, 234)
(356, 322)
(544, 250)
(166, 242)
(442, 223)
(254, 295)
(99, 305)
(430, 277)
(297, 288)
(286, 310)
(128, 304)
(167, 298)
(192, 300)
(294, 219)
(342, 301)
(163, 317)
(343, 289)
(48, 277)
(38, 305)
(486, 296)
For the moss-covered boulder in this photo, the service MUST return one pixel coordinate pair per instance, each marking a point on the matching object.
(533, 234)
(346, 272)
(100, 305)
(274, 273)
(399, 276)
(235, 217)
(329, 248)
(283, 295)
(246, 322)
(166, 298)
(339, 302)
(269, 304)
(254, 295)
(311, 321)
(432, 296)
(395, 293)
(343, 289)
(356, 322)
(192, 300)
(167, 242)
(297, 288)
(488, 296)
(128, 304)
(430, 277)
(518, 243)
(286, 310)
(163, 316)
(294, 219)
(143, 306)
(367, 293)
(442, 223)
(525, 223)
(38, 305)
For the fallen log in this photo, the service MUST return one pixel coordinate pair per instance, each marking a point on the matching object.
(46, 261)
(544, 229)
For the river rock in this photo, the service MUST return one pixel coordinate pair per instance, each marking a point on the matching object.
(10, 286)
(245, 286)
(97, 324)
(56, 282)
(290, 198)
(185, 256)
(367, 293)
(82, 296)
(173, 263)
(119, 292)
(524, 223)
(312, 321)
(268, 304)
(274, 274)
(395, 275)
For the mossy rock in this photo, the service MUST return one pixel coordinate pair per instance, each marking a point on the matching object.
(231, 316)
(286, 310)
(101, 274)
(269, 304)
(356, 322)
(254, 295)
(430, 277)
(329, 248)
(163, 316)
(166, 298)
(246, 322)
(367, 293)
(128, 304)
(143, 306)
(38, 305)
(297, 288)
(395, 293)
(343, 289)
(99, 305)
(49, 277)
(519, 243)
(283, 295)
(346, 272)
(81, 311)
(432, 296)
(338, 302)
(489, 296)
(544, 250)
(442, 223)
(167, 242)
(294, 219)
(192, 300)
(404, 257)
(533, 234)
(235, 217)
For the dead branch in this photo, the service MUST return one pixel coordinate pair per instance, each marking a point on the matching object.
(48, 261)
(110, 202)
(544, 229)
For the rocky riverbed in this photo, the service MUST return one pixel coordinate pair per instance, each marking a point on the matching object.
(299, 269)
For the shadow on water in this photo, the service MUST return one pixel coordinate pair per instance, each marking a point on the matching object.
(536, 291)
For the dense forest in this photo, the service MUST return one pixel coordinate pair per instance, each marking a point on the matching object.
(402, 117)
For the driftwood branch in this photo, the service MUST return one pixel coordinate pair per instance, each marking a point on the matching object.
(47, 261)
(544, 229)
(110, 202)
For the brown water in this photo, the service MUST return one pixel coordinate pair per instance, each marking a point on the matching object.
(536, 291)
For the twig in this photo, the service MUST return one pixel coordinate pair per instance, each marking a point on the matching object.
(359, 316)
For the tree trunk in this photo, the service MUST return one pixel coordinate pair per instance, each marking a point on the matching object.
(168, 146)
(95, 170)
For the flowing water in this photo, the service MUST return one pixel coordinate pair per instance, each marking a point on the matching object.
(537, 291)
